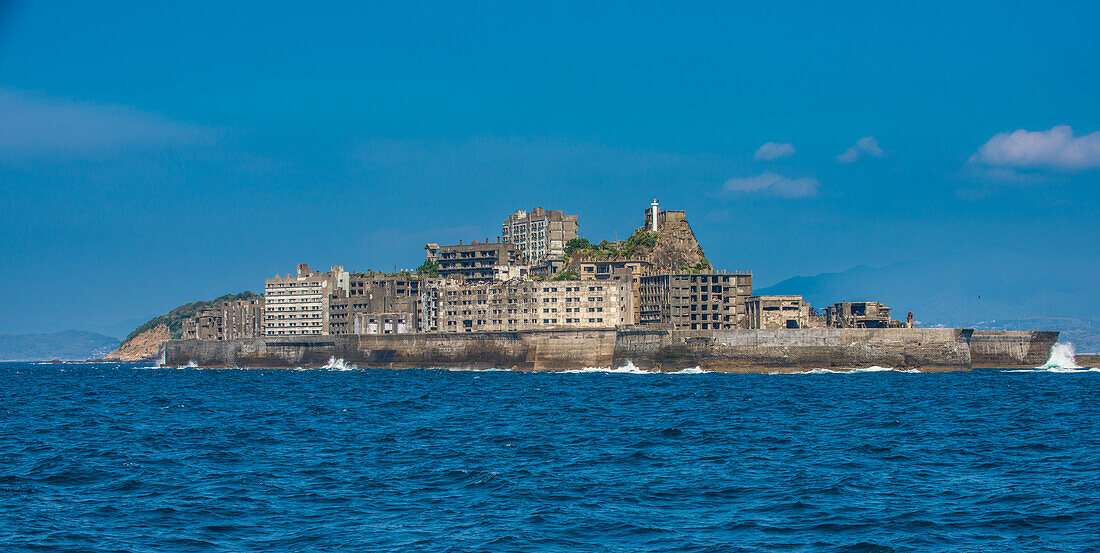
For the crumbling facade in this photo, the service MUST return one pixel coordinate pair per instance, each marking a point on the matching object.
(530, 305)
(659, 278)
(227, 320)
(860, 314)
(773, 312)
(474, 262)
(376, 304)
(694, 301)
(540, 233)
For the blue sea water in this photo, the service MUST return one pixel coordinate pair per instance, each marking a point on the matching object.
(125, 458)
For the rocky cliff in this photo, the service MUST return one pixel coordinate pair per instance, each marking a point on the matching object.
(143, 343)
(144, 346)
(675, 247)
(672, 247)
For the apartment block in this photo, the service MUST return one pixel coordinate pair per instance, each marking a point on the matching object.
(694, 301)
(374, 301)
(540, 233)
(299, 304)
(476, 261)
(531, 305)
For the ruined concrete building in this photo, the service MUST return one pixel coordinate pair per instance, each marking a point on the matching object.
(227, 320)
(540, 233)
(376, 304)
(476, 262)
(528, 305)
(860, 314)
(658, 278)
(768, 312)
(299, 304)
(694, 301)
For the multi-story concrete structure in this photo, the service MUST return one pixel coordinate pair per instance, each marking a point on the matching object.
(859, 314)
(373, 302)
(474, 262)
(299, 304)
(243, 318)
(529, 305)
(694, 301)
(768, 312)
(540, 233)
(205, 325)
(227, 320)
(631, 269)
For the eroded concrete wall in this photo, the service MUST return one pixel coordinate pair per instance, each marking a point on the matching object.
(540, 350)
(783, 350)
(1011, 349)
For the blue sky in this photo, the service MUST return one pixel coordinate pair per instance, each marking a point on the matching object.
(156, 154)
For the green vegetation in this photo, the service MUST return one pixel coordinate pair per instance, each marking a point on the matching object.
(611, 250)
(640, 238)
(566, 275)
(174, 318)
(575, 245)
(430, 269)
(700, 267)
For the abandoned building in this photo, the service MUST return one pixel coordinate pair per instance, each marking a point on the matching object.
(528, 305)
(474, 262)
(694, 301)
(860, 314)
(299, 304)
(540, 233)
(515, 284)
(766, 312)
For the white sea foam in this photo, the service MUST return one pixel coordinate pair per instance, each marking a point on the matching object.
(871, 369)
(627, 368)
(339, 364)
(630, 368)
(1062, 358)
(692, 370)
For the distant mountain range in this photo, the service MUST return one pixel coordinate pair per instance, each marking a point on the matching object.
(67, 345)
(997, 287)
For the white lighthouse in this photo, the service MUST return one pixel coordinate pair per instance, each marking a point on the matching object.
(653, 209)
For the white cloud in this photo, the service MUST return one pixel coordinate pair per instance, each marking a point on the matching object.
(31, 125)
(773, 150)
(773, 185)
(1055, 149)
(867, 145)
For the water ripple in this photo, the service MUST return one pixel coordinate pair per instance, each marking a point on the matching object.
(120, 458)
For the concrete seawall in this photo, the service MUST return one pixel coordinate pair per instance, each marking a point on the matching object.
(1011, 349)
(661, 350)
(797, 350)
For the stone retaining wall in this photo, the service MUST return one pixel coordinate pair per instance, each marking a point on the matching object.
(662, 350)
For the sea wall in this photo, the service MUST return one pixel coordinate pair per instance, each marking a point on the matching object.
(796, 350)
(661, 350)
(1011, 349)
(541, 350)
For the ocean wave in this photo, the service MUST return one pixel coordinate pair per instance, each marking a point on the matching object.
(630, 368)
(627, 368)
(1063, 358)
(335, 364)
(846, 370)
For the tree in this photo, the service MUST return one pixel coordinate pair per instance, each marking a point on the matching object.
(429, 269)
(576, 244)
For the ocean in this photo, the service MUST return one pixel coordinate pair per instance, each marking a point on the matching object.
(132, 458)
